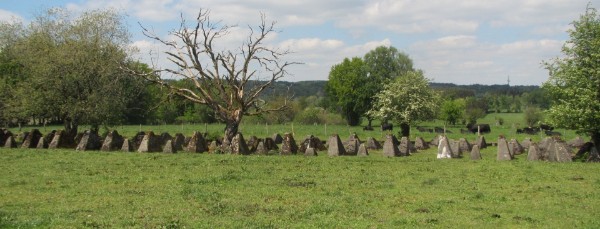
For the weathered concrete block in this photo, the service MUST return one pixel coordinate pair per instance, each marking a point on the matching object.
(261, 149)
(270, 144)
(390, 146)
(32, 139)
(311, 142)
(475, 153)
(526, 143)
(10, 142)
(577, 142)
(504, 153)
(197, 143)
(405, 146)
(310, 152)
(169, 147)
(435, 141)
(253, 143)
(420, 144)
(127, 146)
(444, 149)
(373, 144)
(363, 150)
(464, 145)
(150, 143)
(558, 151)
(288, 145)
(515, 147)
(533, 154)
(179, 141)
(89, 141)
(277, 138)
(336, 148)
(239, 146)
(45, 141)
(112, 142)
(481, 142)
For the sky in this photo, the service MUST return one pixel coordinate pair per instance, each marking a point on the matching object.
(452, 41)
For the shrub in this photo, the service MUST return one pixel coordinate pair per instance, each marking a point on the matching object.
(309, 116)
(533, 115)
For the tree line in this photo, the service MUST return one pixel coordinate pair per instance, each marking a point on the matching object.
(74, 70)
(69, 70)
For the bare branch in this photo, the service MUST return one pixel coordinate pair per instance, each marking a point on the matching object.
(220, 78)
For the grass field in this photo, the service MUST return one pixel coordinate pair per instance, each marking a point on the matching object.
(69, 189)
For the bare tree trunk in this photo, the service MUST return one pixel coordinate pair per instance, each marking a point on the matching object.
(221, 79)
(71, 127)
(596, 140)
(231, 129)
(232, 125)
(405, 129)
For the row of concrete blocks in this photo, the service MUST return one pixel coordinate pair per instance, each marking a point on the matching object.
(550, 149)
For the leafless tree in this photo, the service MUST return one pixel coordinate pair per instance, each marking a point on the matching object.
(229, 81)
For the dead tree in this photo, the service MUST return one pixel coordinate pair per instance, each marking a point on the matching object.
(229, 81)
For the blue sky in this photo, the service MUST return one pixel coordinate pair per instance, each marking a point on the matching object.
(452, 41)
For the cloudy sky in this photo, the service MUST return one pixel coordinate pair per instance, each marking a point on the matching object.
(453, 41)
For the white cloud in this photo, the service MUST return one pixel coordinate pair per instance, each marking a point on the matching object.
(8, 16)
(319, 55)
(311, 44)
(467, 41)
(550, 30)
(448, 59)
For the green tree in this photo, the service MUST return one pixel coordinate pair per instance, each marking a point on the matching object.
(344, 87)
(476, 108)
(574, 83)
(12, 73)
(72, 69)
(386, 62)
(533, 115)
(406, 100)
(515, 105)
(382, 65)
(452, 111)
(537, 97)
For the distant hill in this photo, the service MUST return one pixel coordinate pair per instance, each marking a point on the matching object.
(317, 88)
(479, 89)
(297, 89)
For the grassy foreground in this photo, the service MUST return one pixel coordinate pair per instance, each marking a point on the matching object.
(70, 189)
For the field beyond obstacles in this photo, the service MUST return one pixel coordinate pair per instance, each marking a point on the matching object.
(71, 189)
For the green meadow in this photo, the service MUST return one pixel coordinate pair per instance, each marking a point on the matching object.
(70, 189)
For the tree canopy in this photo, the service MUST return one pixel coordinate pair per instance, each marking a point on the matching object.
(407, 100)
(345, 87)
(452, 110)
(353, 82)
(574, 83)
(69, 68)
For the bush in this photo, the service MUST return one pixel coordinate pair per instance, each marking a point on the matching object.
(309, 116)
(332, 119)
(500, 121)
(533, 115)
(318, 115)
